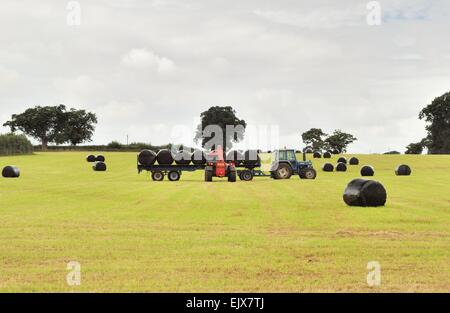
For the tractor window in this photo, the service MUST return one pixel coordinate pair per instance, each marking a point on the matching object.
(282, 155)
(290, 155)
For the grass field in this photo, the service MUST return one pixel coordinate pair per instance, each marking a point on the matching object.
(132, 234)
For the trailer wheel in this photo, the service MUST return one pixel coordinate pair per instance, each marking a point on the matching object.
(157, 176)
(246, 175)
(308, 173)
(232, 176)
(208, 175)
(283, 171)
(174, 176)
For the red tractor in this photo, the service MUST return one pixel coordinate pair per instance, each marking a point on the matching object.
(216, 166)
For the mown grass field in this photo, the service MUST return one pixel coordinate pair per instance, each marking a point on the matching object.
(132, 234)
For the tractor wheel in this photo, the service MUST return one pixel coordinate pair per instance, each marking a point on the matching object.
(157, 176)
(174, 176)
(246, 175)
(283, 171)
(232, 176)
(208, 175)
(308, 173)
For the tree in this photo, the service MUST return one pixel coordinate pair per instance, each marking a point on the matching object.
(226, 121)
(314, 138)
(339, 141)
(54, 124)
(414, 148)
(78, 126)
(438, 115)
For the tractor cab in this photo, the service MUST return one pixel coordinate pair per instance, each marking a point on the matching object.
(285, 164)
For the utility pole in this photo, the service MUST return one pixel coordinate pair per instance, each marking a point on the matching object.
(127, 140)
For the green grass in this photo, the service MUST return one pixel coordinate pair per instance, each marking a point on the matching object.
(132, 234)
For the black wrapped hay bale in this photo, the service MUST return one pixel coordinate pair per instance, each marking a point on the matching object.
(236, 156)
(309, 151)
(353, 161)
(198, 157)
(335, 151)
(342, 160)
(11, 172)
(164, 157)
(100, 158)
(251, 158)
(403, 170)
(317, 155)
(341, 167)
(327, 155)
(367, 171)
(182, 157)
(91, 158)
(99, 167)
(147, 157)
(365, 193)
(328, 167)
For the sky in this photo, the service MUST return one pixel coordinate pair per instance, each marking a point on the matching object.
(149, 68)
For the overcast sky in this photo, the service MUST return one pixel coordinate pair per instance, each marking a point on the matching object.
(149, 68)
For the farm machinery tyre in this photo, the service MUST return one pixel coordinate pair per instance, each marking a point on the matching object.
(208, 175)
(174, 176)
(284, 171)
(232, 176)
(246, 175)
(308, 173)
(157, 176)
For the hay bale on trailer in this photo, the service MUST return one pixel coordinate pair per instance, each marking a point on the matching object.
(182, 157)
(164, 157)
(403, 170)
(99, 167)
(91, 158)
(341, 167)
(335, 151)
(367, 170)
(328, 167)
(236, 156)
(198, 157)
(100, 158)
(317, 155)
(11, 172)
(327, 155)
(365, 193)
(147, 157)
(309, 151)
(342, 160)
(251, 158)
(353, 161)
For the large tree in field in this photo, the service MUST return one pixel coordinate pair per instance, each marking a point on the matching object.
(414, 148)
(339, 141)
(223, 119)
(54, 124)
(314, 138)
(437, 114)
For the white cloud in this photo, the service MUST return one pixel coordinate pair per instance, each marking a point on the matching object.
(143, 58)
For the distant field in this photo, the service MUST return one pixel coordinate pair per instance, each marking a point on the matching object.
(132, 234)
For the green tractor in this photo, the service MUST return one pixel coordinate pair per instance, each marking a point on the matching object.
(285, 164)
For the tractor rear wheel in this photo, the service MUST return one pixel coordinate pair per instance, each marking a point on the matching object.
(157, 176)
(308, 173)
(232, 176)
(208, 175)
(283, 171)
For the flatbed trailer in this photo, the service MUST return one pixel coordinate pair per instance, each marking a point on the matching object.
(174, 171)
